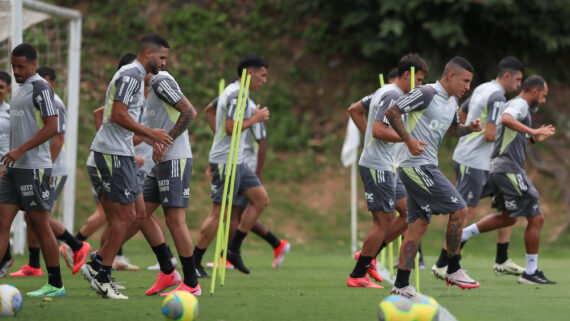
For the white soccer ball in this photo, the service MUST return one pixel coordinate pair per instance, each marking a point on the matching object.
(10, 300)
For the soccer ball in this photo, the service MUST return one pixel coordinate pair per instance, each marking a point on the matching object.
(10, 300)
(399, 308)
(180, 306)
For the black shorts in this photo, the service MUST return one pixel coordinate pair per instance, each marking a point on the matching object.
(472, 183)
(245, 179)
(119, 183)
(168, 183)
(380, 189)
(57, 184)
(30, 189)
(96, 183)
(515, 194)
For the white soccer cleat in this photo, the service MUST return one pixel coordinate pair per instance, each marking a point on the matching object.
(407, 291)
(507, 267)
(122, 263)
(461, 279)
(107, 290)
(438, 272)
(88, 272)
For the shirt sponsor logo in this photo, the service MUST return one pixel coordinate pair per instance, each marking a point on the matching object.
(16, 113)
(435, 125)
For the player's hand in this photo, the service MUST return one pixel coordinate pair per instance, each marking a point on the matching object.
(476, 125)
(544, 132)
(261, 114)
(11, 157)
(158, 154)
(139, 160)
(415, 146)
(160, 136)
(209, 172)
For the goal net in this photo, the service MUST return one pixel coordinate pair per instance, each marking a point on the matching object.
(55, 32)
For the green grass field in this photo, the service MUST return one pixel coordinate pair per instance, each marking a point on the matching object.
(311, 286)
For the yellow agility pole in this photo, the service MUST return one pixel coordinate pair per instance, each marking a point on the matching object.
(417, 259)
(221, 86)
(244, 102)
(383, 252)
(381, 76)
(219, 234)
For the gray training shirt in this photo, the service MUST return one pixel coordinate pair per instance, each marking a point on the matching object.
(378, 154)
(127, 86)
(60, 164)
(485, 103)
(30, 103)
(226, 110)
(143, 149)
(509, 152)
(4, 128)
(430, 113)
(163, 94)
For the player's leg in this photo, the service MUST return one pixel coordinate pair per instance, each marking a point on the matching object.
(173, 260)
(410, 244)
(94, 222)
(7, 214)
(33, 267)
(79, 250)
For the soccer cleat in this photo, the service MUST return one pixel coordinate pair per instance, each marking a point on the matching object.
(229, 266)
(235, 259)
(47, 290)
(163, 282)
(5, 266)
(197, 291)
(536, 278)
(107, 290)
(461, 279)
(117, 285)
(79, 257)
(27, 270)
(67, 253)
(422, 265)
(88, 272)
(156, 267)
(507, 267)
(280, 252)
(122, 263)
(408, 291)
(364, 282)
(372, 269)
(438, 272)
(200, 272)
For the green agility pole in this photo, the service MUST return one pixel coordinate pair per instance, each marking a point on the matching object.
(219, 234)
(381, 76)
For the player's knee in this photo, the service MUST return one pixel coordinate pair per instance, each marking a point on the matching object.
(538, 221)
(261, 202)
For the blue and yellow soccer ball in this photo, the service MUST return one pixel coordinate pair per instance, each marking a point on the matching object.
(180, 306)
(399, 308)
(10, 301)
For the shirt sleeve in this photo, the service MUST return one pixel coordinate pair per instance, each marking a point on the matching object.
(494, 105)
(215, 102)
(456, 121)
(258, 131)
(232, 106)
(465, 105)
(61, 119)
(43, 98)
(366, 102)
(387, 100)
(126, 87)
(167, 90)
(518, 111)
(417, 99)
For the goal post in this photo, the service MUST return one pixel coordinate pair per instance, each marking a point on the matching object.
(24, 14)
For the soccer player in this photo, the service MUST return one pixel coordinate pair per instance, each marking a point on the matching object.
(473, 153)
(254, 157)
(384, 192)
(168, 183)
(432, 112)
(26, 180)
(78, 250)
(513, 192)
(114, 156)
(246, 182)
(5, 80)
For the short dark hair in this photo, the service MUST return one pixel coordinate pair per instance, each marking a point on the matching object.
(460, 62)
(153, 40)
(393, 73)
(126, 59)
(25, 50)
(250, 61)
(46, 71)
(509, 64)
(533, 81)
(412, 60)
(4, 76)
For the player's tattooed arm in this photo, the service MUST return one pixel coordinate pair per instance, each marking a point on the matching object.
(453, 234)
(459, 130)
(394, 115)
(187, 114)
(409, 254)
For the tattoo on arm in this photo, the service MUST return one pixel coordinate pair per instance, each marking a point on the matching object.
(453, 236)
(394, 115)
(459, 130)
(409, 254)
(187, 113)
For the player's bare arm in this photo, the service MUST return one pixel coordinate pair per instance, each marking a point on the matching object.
(210, 112)
(385, 133)
(49, 129)
(394, 115)
(462, 130)
(187, 114)
(489, 134)
(259, 115)
(56, 144)
(358, 114)
(98, 116)
(539, 134)
(261, 152)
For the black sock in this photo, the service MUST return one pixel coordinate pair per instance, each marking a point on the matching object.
(189, 270)
(198, 253)
(502, 253)
(442, 260)
(34, 257)
(235, 244)
(272, 240)
(163, 259)
(7, 256)
(54, 276)
(80, 237)
(402, 278)
(381, 248)
(97, 262)
(120, 250)
(453, 264)
(73, 243)
(104, 274)
(170, 252)
(361, 266)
